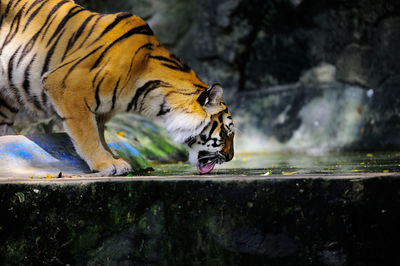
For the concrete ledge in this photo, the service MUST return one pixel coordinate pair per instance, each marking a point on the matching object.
(300, 220)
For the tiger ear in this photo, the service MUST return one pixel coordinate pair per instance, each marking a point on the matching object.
(212, 96)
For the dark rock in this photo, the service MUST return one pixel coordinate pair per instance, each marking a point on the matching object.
(257, 46)
(301, 220)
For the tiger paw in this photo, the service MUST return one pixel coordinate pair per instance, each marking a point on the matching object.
(114, 167)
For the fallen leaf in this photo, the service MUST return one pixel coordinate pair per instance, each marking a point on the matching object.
(289, 173)
(268, 173)
(121, 134)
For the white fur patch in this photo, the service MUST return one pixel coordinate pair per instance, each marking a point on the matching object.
(182, 126)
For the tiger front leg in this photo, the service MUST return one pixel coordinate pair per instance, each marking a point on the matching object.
(81, 125)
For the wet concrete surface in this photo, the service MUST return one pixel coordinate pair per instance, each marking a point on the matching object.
(335, 163)
(358, 164)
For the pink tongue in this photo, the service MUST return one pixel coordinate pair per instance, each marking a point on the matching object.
(205, 169)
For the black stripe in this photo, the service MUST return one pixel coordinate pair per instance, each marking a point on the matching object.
(44, 35)
(152, 84)
(97, 96)
(3, 114)
(221, 118)
(119, 17)
(163, 109)
(52, 11)
(165, 59)
(8, 6)
(8, 124)
(50, 15)
(63, 65)
(33, 15)
(161, 84)
(213, 127)
(50, 54)
(184, 66)
(29, 46)
(44, 98)
(176, 68)
(114, 98)
(34, 3)
(11, 64)
(77, 63)
(76, 36)
(12, 32)
(16, 3)
(91, 30)
(56, 7)
(172, 64)
(190, 141)
(184, 93)
(144, 29)
(148, 46)
(155, 86)
(10, 108)
(203, 97)
(88, 107)
(203, 137)
(71, 13)
(36, 102)
(98, 74)
(26, 84)
(200, 86)
(10, 73)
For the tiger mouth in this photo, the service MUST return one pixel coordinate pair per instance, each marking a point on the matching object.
(208, 160)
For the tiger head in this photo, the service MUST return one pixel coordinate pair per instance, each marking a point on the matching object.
(214, 144)
(192, 112)
(210, 140)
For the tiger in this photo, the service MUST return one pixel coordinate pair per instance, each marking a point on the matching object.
(57, 58)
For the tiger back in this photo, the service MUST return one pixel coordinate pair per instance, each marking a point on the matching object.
(58, 58)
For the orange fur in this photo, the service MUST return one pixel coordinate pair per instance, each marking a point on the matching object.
(86, 67)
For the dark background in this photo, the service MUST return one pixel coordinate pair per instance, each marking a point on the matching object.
(298, 74)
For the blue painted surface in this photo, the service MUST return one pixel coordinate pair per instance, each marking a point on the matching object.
(48, 153)
(60, 147)
(19, 150)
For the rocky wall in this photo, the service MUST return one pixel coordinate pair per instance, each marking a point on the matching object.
(269, 48)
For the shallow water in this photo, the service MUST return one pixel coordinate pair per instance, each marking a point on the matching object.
(291, 164)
